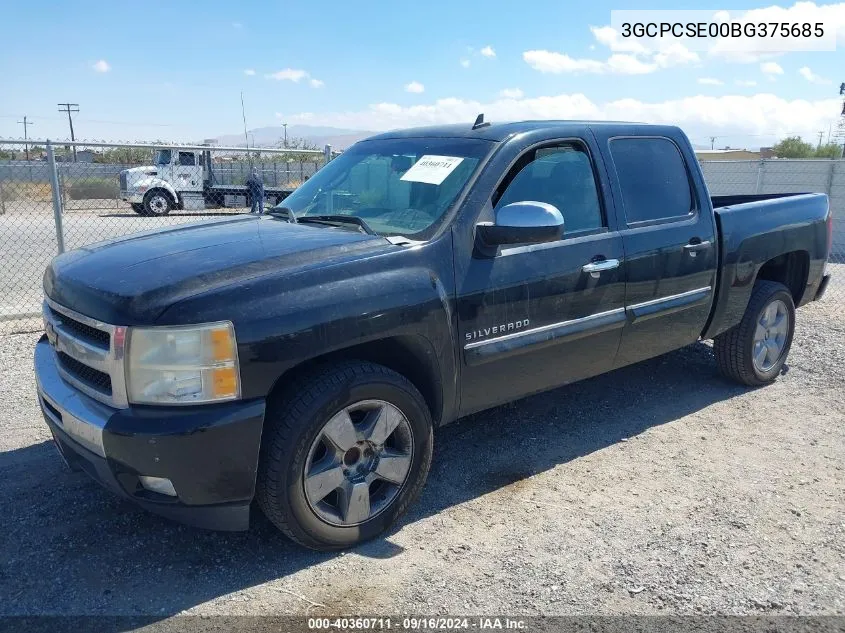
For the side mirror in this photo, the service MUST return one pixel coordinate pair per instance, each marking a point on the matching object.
(522, 223)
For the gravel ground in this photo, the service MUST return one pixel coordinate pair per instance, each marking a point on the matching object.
(659, 488)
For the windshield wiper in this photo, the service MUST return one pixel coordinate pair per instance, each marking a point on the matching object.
(342, 219)
(284, 213)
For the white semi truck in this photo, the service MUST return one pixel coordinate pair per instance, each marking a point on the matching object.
(183, 179)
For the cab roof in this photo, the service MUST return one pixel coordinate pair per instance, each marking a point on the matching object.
(502, 131)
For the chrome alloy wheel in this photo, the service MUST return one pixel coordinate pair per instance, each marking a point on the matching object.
(158, 204)
(770, 335)
(358, 463)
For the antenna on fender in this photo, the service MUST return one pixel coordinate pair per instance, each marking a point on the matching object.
(479, 122)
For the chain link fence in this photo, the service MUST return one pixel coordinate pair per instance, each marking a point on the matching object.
(57, 197)
(790, 176)
(54, 199)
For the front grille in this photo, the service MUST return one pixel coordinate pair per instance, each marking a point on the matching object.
(89, 353)
(81, 330)
(85, 374)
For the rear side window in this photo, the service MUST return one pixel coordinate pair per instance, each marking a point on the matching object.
(186, 159)
(653, 179)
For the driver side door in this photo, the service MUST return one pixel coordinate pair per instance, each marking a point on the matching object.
(535, 316)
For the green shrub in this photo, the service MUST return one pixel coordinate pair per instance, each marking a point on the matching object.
(93, 188)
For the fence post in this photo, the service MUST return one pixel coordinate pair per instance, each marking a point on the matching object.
(327, 155)
(830, 179)
(759, 175)
(57, 198)
(2, 199)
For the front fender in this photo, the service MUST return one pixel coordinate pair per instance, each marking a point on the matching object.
(145, 184)
(284, 320)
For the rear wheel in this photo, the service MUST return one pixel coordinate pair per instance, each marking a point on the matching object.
(345, 451)
(754, 351)
(157, 202)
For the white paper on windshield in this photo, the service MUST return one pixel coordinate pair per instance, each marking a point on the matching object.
(432, 169)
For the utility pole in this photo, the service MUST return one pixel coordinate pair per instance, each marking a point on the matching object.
(285, 125)
(70, 107)
(712, 142)
(26, 123)
(821, 135)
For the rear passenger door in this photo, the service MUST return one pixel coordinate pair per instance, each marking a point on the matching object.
(669, 238)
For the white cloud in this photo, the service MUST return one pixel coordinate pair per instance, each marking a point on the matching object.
(288, 74)
(630, 55)
(488, 51)
(610, 37)
(295, 75)
(832, 16)
(675, 54)
(710, 81)
(771, 69)
(101, 66)
(745, 82)
(465, 63)
(700, 116)
(249, 72)
(812, 77)
(414, 86)
(511, 93)
(556, 63)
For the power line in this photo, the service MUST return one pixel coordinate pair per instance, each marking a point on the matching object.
(70, 107)
(26, 124)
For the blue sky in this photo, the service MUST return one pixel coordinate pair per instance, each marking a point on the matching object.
(154, 70)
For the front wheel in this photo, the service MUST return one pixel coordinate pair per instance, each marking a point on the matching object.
(138, 208)
(754, 351)
(345, 451)
(157, 202)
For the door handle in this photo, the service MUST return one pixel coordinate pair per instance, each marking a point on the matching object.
(595, 268)
(694, 247)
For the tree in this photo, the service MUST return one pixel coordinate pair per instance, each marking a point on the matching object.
(829, 150)
(793, 147)
(301, 143)
(125, 156)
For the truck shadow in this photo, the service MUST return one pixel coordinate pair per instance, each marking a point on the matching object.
(71, 548)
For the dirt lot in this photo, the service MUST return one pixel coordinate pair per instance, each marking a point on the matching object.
(659, 488)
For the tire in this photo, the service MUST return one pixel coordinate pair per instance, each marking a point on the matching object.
(295, 443)
(157, 202)
(139, 208)
(735, 349)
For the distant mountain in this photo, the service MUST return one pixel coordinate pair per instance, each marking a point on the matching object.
(319, 135)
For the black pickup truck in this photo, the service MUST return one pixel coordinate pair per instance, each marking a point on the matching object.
(303, 358)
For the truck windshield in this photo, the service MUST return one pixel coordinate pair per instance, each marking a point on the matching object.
(163, 157)
(399, 187)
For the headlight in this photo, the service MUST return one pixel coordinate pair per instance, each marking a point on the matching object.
(182, 365)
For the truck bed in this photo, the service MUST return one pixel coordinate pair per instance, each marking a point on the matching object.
(756, 228)
(240, 190)
(735, 199)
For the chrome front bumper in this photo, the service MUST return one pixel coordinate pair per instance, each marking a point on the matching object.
(82, 418)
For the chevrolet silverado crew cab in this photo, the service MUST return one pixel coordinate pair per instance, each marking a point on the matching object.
(303, 358)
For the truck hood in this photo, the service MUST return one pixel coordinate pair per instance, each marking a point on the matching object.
(145, 169)
(133, 279)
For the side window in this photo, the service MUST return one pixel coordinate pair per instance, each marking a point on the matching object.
(561, 175)
(653, 179)
(187, 159)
